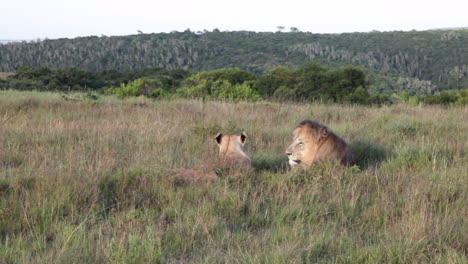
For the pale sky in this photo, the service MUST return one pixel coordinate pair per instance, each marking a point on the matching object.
(33, 19)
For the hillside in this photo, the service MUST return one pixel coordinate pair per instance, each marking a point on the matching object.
(416, 61)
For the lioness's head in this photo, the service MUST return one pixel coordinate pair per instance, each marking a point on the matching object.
(231, 148)
(307, 137)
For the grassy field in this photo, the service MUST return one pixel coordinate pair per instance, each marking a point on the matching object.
(89, 180)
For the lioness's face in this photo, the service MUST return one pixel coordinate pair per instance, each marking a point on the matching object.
(301, 151)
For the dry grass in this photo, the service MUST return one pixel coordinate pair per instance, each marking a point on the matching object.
(85, 181)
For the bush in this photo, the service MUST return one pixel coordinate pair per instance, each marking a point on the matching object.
(143, 86)
(379, 99)
(26, 85)
(280, 78)
(3, 84)
(462, 98)
(314, 82)
(201, 90)
(158, 93)
(402, 97)
(220, 89)
(232, 75)
(67, 79)
(359, 96)
(226, 91)
(443, 98)
(284, 93)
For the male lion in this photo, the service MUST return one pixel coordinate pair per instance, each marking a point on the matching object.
(231, 155)
(313, 142)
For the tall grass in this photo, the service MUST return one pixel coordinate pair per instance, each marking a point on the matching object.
(90, 181)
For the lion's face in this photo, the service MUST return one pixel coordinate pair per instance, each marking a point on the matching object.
(301, 153)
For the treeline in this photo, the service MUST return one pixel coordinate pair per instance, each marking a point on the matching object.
(74, 79)
(417, 62)
(456, 98)
(308, 83)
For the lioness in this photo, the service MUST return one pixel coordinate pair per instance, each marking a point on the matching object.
(231, 155)
(231, 149)
(313, 142)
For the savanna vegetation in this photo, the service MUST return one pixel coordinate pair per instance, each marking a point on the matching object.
(87, 178)
(309, 83)
(418, 62)
(92, 134)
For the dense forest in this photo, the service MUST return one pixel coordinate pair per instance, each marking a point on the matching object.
(418, 62)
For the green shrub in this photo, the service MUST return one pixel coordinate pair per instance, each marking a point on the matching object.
(314, 82)
(226, 91)
(232, 75)
(462, 98)
(283, 93)
(158, 93)
(198, 91)
(414, 100)
(379, 99)
(443, 98)
(125, 90)
(359, 96)
(402, 97)
(280, 78)
(26, 85)
(220, 89)
(143, 86)
(3, 84)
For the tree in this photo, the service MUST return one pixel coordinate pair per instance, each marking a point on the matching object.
(280, 28)
(283, 77)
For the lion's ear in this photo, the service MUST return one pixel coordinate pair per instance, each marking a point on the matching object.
(218, 138)
(243, 137)
(323, 132)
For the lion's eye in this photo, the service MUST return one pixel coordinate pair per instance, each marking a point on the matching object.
(300, 144)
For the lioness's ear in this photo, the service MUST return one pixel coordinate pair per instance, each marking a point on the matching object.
(243, 136)
(218, 138)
